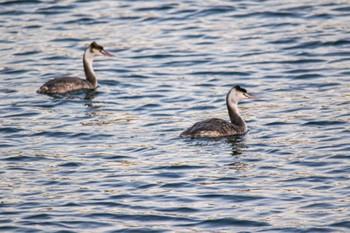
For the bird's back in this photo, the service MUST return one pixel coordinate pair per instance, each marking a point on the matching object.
(214, 127)
(64, 85)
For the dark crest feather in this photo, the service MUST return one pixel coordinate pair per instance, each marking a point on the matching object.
(94, 45)
(238, 88)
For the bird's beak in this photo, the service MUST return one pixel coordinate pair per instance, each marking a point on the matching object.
(107, 54)
(250, 96)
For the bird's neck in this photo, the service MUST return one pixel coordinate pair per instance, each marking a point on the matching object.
(235, 116)
(88, 69)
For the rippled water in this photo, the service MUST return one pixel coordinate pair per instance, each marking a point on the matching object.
(112, 161)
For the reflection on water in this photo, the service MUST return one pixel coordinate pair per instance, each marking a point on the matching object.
(78, 95)
(111, 159)
(238, 144)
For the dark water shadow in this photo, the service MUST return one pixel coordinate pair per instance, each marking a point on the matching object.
(237, 143)
(84, 97)
(76, 95)
(238, 146)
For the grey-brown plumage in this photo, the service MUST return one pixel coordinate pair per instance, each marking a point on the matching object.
(65, 85)
(220, 128)
(69, 84)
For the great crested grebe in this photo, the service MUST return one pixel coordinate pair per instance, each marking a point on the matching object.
(220, 128)
(68, 84)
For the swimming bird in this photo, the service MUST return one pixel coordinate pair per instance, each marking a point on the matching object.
(216, 127)
(69, 84)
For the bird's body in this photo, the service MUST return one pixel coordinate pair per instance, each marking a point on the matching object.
(216, 127)
(212, 128)
(68, 84)
(65, 85)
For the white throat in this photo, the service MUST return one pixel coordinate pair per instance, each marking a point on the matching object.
(89, 58)
(89, 70)
(235, 115)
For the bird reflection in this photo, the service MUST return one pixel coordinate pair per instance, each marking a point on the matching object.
(92, 107)
(85, 96)
(77, 95)
(237, 143)
(90, 94)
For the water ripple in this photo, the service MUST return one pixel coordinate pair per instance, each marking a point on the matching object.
(111, 159)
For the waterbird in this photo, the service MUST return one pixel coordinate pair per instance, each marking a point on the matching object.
(68, 84)
(216, 127)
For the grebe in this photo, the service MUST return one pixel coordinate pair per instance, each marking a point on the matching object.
(68, 84)
(220, 128)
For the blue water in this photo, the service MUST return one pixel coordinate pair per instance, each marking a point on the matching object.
(111, 160)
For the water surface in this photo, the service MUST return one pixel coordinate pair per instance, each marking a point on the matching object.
(111, 160)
